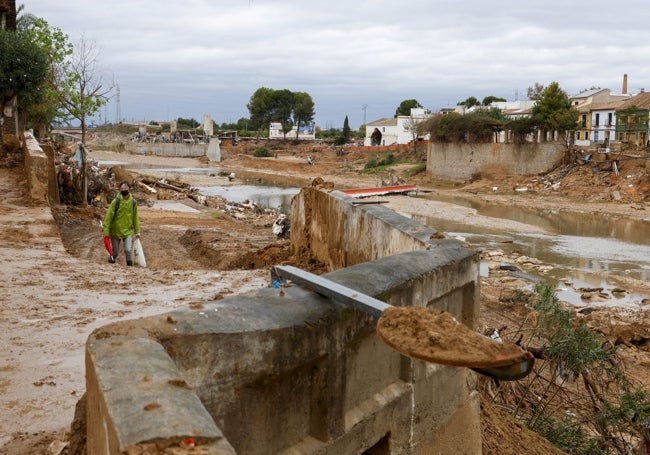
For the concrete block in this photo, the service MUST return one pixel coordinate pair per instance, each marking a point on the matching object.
(36, 171)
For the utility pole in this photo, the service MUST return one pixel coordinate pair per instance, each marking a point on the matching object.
(363, 108)
(118, 111)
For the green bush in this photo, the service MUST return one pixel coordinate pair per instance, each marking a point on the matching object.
(579, 397)
(372, 163)
(262, 152)
(568, 435)
(387, 161)
(569, 341)
(390, 159)
(339, 140)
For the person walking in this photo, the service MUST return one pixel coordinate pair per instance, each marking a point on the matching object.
(121, 222)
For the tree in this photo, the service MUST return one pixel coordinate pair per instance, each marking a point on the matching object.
(361, 134)
(187, 123)
(282, 109)
(405, 107)
(260, 108)
(521, 128)
(469, 102)
(44, 110)
(23, 20)
(492, 112)
(303, 110)
(346, 130)
(492, 99)
(412, 126)
(23, 68)
(553, 111)
(82, 91)
(535, 92)
(283, 106)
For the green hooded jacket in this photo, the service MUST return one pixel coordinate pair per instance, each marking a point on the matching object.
(125, 222)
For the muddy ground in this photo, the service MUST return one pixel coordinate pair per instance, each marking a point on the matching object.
(57, 285)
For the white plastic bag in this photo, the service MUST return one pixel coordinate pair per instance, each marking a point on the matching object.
(138, 254)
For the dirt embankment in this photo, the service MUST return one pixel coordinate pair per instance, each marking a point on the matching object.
(60, 286)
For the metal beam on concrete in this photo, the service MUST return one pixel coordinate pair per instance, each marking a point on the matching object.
(335, 291)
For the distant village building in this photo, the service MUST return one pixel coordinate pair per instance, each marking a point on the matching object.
(306, 132)
(381, 132)
(597, 121)
(451, 110)
(398, 130)
(604, 118)
(515, 109)
(633, 123)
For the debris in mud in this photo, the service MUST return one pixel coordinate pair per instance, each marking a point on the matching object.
(282, 227)
(100, 186)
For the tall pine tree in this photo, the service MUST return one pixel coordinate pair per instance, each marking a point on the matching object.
(346, 130)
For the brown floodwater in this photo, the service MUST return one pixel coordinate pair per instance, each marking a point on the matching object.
(586, 249)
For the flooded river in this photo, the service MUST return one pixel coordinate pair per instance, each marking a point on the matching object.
(588, 250)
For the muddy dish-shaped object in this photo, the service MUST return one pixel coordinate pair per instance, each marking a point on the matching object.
(435, 336)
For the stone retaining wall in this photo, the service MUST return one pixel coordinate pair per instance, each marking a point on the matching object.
(463, 161)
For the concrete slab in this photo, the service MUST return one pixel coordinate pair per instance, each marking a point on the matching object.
(173, 206)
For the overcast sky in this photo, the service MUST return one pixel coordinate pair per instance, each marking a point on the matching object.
(187, 58)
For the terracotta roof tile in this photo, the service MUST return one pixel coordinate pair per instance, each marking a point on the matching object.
(642, 101)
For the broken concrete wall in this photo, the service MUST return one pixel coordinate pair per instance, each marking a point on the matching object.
(38, 170)
(463, 161)
(339, 232)
(211, 150)
(287, 371)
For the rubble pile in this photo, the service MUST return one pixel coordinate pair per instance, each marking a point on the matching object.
(71, 178)
(102, 184)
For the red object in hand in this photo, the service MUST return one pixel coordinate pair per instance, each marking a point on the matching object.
(108, 246)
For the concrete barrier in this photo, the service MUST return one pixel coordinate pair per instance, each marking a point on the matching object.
(38, 170)
(211, 150)
(463, 161)
(287, 371)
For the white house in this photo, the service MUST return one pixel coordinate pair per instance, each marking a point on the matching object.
(306, 132)
(597, 123)
(597, 120)
(381, 132)
(399, 130)
(515, 109)
(593, 96)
